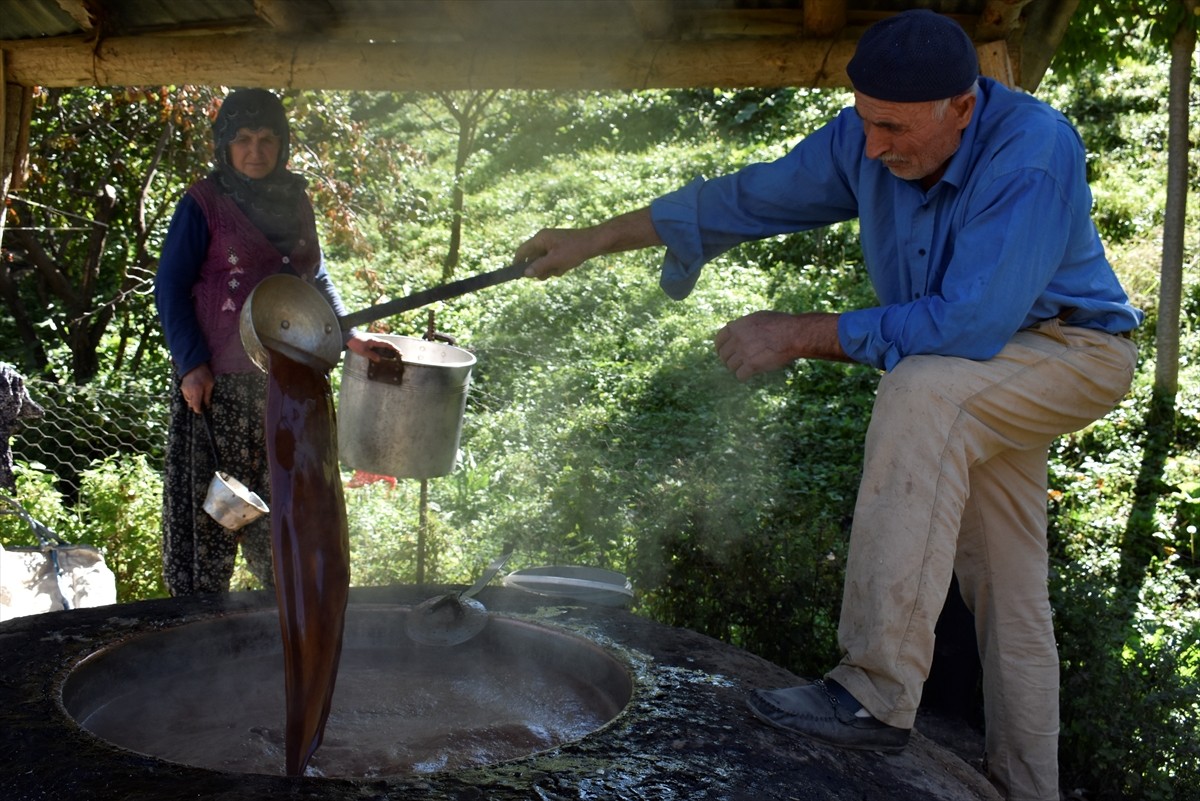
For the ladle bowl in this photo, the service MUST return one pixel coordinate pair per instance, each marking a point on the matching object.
(453, 618)
(231, 503)
(288, 315)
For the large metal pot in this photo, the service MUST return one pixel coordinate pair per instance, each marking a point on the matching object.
(397, 417)
(403, 417)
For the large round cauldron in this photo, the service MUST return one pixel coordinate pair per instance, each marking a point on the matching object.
(210, 694)
(551, 702)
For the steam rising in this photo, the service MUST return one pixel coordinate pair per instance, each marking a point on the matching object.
(209, 694)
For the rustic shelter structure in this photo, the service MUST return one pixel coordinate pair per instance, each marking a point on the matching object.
(394, 45)
(428, 45)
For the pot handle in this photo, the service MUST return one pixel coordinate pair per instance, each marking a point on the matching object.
(388, 370)
(425, 297)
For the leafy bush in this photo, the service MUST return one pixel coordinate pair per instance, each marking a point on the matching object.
(1131, 686)
(37, 492)
(119, 512)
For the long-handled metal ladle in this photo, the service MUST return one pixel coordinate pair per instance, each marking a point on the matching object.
(455, 617)
(230, 502)
(285, 314)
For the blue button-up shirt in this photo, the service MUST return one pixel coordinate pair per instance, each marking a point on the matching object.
(1005, 239)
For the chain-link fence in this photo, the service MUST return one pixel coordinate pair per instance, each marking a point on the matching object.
(84, 425)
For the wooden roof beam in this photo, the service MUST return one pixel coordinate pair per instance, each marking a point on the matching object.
(465, 17)
(323, 63)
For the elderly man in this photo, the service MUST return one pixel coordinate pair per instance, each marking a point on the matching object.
(1000, 326)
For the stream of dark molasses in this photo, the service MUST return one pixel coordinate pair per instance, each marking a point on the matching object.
(311, 547)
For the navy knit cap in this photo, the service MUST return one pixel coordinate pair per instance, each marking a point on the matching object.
(914, 56)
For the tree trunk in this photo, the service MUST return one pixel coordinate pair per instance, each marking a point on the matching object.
(468, 110)
(1139, 546)
(1183, 45)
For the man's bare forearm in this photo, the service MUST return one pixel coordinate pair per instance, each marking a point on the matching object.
(554, 251)
(631, 231)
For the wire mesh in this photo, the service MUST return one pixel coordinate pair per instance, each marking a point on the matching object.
(83, 425)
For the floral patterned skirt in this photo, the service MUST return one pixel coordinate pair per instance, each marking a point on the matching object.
(199, 553)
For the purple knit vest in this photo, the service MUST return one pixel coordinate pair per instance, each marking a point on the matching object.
(239, 256)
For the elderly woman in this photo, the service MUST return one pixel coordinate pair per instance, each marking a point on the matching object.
(248, 219)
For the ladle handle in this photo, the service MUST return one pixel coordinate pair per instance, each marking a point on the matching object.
(492, 569)
(425, 297)
(212, 437)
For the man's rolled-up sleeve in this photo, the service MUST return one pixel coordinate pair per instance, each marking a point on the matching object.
(804, 189)
(676, 220)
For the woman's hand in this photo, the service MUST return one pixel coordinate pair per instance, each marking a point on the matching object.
(197, 388)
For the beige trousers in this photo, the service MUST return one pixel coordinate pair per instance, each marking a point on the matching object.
(954, 480)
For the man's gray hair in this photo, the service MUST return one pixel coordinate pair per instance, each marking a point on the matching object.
(940, 106)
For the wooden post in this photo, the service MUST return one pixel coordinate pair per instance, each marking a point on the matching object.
(5, 163)
(994, 62)
(16, 109)
(824, 19)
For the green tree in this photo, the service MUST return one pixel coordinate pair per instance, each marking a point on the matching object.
(106, 170)
(86, 226)
(1104, 32)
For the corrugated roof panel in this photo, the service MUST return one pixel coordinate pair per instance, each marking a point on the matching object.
(33, 19)
(168, 14)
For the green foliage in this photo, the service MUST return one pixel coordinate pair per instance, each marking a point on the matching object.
(106, 166)
(1107, 32)
(119, 512)
(384, 523)
(37, 493)
(354, 170)
(1130, 686)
